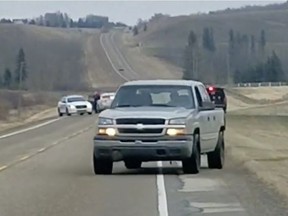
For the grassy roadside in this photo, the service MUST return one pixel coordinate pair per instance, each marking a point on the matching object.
(259, 143)
(34, 106)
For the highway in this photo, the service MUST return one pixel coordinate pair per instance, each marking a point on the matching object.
(46, 170)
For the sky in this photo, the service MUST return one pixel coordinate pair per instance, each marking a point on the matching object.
(118, 11)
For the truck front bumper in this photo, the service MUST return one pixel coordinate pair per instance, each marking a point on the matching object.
(143, 148)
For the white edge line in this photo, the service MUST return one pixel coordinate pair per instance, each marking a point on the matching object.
(162, 197)
(109, 59)
(29, 128)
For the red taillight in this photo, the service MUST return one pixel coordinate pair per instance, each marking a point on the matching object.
(210, 88)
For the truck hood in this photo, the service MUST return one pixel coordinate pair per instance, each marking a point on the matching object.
(146, 112)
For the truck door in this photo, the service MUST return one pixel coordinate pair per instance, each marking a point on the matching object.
(208, 120)
(202, 118)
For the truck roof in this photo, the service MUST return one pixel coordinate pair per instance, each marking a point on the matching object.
(162, 82)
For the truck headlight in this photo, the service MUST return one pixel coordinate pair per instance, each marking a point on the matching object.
(177, 121)
(105, 121)
(175, 131)
(107, 131)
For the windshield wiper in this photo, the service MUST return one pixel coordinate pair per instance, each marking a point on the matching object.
(126, 105)
(162, 105)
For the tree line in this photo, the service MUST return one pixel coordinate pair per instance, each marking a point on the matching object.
(15, 79)
(246, 59)
(62, 20)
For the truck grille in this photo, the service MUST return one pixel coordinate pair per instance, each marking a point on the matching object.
(144, 121)
(81, 107)
(136, 131)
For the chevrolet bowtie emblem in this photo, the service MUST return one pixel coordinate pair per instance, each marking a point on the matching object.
(140, 126)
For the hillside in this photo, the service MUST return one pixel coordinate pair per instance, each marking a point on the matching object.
(59, 61)
(166, 37)
(56, 58)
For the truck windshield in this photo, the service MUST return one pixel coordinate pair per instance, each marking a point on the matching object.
(154, 95)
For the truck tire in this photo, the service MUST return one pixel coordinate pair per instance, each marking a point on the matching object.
(217, 157)
(102, 166)
(132, 164)
(192, 164)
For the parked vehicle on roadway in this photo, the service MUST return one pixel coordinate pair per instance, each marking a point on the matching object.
(74, 104)
(217, 96)
(105, 101)
(159, 120)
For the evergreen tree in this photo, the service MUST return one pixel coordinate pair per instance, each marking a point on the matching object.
(135, 30)
(208, 39)
(205, 38)
(7, 78)
(252, 46)
(190, 57)
(20, 67)
(262, 41)
(273, 67)
(145, 27)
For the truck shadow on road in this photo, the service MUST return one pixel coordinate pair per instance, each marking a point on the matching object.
(152, 171)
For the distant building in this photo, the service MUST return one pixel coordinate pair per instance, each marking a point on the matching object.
(18, 21)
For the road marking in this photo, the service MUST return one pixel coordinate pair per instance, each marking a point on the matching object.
(29, 128)
(41, 150)
(11, 164)
(25, 157)
(162, 197)
(3, 168)
(121, 55)
(200, 184)
(109, 59)
(208, 208)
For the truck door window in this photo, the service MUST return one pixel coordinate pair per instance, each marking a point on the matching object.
(204, 94)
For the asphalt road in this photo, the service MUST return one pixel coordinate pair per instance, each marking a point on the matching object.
(47, 171)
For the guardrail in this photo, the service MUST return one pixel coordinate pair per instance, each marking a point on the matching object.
(258, 84)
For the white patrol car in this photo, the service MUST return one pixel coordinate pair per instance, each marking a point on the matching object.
(74, 104)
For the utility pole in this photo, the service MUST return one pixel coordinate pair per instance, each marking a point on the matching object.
(19, 106)
(228, 69)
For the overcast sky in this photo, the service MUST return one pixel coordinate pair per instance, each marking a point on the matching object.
(123, 11)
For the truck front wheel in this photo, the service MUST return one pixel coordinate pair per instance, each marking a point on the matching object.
(102, 166)
(192, 164)
(216, 158)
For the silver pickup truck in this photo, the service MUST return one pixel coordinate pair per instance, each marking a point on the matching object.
(160, 120)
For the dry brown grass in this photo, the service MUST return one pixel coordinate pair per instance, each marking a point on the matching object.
(29, 101)
(260, 144)
(167, 38)
(55, 57)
